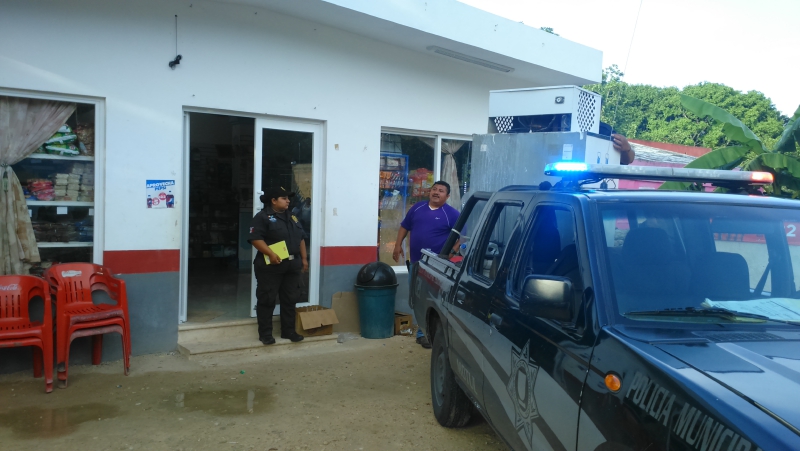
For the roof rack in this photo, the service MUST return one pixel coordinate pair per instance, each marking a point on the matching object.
(574, 173)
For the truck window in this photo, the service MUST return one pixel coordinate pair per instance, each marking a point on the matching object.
(673, 256)
(463, 232)
(493, 245)
(550, 248)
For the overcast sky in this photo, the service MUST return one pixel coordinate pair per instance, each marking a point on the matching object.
(744, 44)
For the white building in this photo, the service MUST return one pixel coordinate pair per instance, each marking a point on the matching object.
(341, 79)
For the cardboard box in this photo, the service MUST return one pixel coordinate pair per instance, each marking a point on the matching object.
(314, 320)
(403, 324)
(345, 305)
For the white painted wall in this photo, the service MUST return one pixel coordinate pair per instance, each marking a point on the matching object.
(245, 60)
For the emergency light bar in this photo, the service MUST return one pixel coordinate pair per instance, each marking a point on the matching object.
(583, 171)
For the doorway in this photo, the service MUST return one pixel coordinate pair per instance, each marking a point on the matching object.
(220, 209)
(228, 162)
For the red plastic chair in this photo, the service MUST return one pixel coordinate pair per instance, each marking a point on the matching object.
(16, 327)
(78, 316)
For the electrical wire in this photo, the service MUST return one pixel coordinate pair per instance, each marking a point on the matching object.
(625, 68)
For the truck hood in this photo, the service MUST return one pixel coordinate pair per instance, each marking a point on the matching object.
(761, 367)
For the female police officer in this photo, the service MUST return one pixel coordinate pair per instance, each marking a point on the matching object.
(281, 277)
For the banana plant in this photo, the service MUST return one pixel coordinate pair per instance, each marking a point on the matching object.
(750, 154)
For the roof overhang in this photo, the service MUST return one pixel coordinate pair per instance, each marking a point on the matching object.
(472, 37)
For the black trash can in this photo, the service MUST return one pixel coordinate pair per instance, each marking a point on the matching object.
(376, 286)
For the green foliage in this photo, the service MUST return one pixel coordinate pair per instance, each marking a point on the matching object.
(656, 114)
(781, 159)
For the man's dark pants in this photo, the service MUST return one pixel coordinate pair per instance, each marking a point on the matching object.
(278, 281)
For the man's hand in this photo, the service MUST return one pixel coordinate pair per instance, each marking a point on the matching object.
(621, 145)
(305, 265)
(397, 252)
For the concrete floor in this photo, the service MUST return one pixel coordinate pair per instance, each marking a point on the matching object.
(219, 292)
(360, 395)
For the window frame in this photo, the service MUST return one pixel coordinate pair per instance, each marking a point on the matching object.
(401, 268)
(492, 215)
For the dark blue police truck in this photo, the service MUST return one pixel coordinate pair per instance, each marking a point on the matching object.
(609, 320)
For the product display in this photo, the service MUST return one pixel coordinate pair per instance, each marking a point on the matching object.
(58, 184)
(68, 143)
(392, 202)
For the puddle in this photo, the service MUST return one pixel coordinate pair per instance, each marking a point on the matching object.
(38, 422)
(223, 402)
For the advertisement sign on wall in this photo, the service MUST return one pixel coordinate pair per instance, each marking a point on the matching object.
(159, 194)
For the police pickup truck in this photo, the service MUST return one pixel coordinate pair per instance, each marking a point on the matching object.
(609, 320)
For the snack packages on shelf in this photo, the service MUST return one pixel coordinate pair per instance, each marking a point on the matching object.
(421, 182)
(64, 150)
(41, 189)
(69, 143)
(85, 134)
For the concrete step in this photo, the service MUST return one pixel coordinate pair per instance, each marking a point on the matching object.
(236, 335)
(191, 349)
(221, 330)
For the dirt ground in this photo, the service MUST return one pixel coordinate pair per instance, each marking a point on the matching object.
(359, 395)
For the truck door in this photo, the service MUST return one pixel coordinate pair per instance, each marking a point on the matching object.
(465, 359)
(477, 285)
(534, 367)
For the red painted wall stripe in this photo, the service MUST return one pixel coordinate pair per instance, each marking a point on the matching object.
(347, 255)
(138, 262)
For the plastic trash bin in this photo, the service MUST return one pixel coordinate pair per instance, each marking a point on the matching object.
(376, 286)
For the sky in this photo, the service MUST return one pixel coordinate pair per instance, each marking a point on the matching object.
(745, 44)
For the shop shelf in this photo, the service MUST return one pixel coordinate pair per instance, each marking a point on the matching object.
(47, 156)
(58, 203)
(65, 244)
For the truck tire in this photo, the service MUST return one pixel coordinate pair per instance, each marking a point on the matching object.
(451, 406)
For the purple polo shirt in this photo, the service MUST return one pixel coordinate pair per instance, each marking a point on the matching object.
(429, 228)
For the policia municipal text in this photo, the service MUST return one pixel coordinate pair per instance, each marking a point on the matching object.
(280, 277)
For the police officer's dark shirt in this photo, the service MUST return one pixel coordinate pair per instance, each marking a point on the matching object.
(273, 227)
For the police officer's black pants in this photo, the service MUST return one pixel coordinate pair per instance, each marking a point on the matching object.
(277, 281)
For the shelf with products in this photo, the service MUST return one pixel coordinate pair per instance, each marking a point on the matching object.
(58, 181)
(66, 244)
(46, 156)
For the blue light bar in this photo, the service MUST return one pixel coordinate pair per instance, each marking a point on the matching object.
(583, 171)
(566, 166)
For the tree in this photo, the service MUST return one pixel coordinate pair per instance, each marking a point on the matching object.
(655, 114)
(749, 152)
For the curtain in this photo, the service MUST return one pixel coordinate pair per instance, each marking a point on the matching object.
(449, 172)
(24, 125)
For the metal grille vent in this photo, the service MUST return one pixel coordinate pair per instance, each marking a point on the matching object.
(504, 123)
(721, 337)
(586, 108)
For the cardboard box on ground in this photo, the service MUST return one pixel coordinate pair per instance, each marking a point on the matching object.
(403, 324)
(315, 320)
(345, 305)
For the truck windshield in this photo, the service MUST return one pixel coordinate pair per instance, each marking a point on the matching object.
(703, 263)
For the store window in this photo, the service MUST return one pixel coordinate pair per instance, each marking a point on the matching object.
(56, 178)
(406, 176)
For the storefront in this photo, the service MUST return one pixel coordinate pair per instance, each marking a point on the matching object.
(336, 99)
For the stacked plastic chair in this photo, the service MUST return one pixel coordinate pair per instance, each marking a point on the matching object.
(16, 327)
(77, 315)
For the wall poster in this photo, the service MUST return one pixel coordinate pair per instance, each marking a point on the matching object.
(160, 194)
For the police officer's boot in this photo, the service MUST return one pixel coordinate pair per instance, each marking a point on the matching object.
(292, 335)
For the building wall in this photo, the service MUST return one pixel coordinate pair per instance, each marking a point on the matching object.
(236, 59)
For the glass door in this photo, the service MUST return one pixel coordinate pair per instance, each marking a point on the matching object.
(285, 152)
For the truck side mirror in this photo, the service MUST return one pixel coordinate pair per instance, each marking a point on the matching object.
(547, 297)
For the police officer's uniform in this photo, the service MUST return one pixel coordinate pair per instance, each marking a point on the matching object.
(284, 279)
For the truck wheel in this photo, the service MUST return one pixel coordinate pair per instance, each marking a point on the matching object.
(451, 407)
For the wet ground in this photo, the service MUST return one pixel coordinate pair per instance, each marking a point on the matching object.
(358, 395)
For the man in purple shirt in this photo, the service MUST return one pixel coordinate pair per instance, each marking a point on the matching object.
(429, 222)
